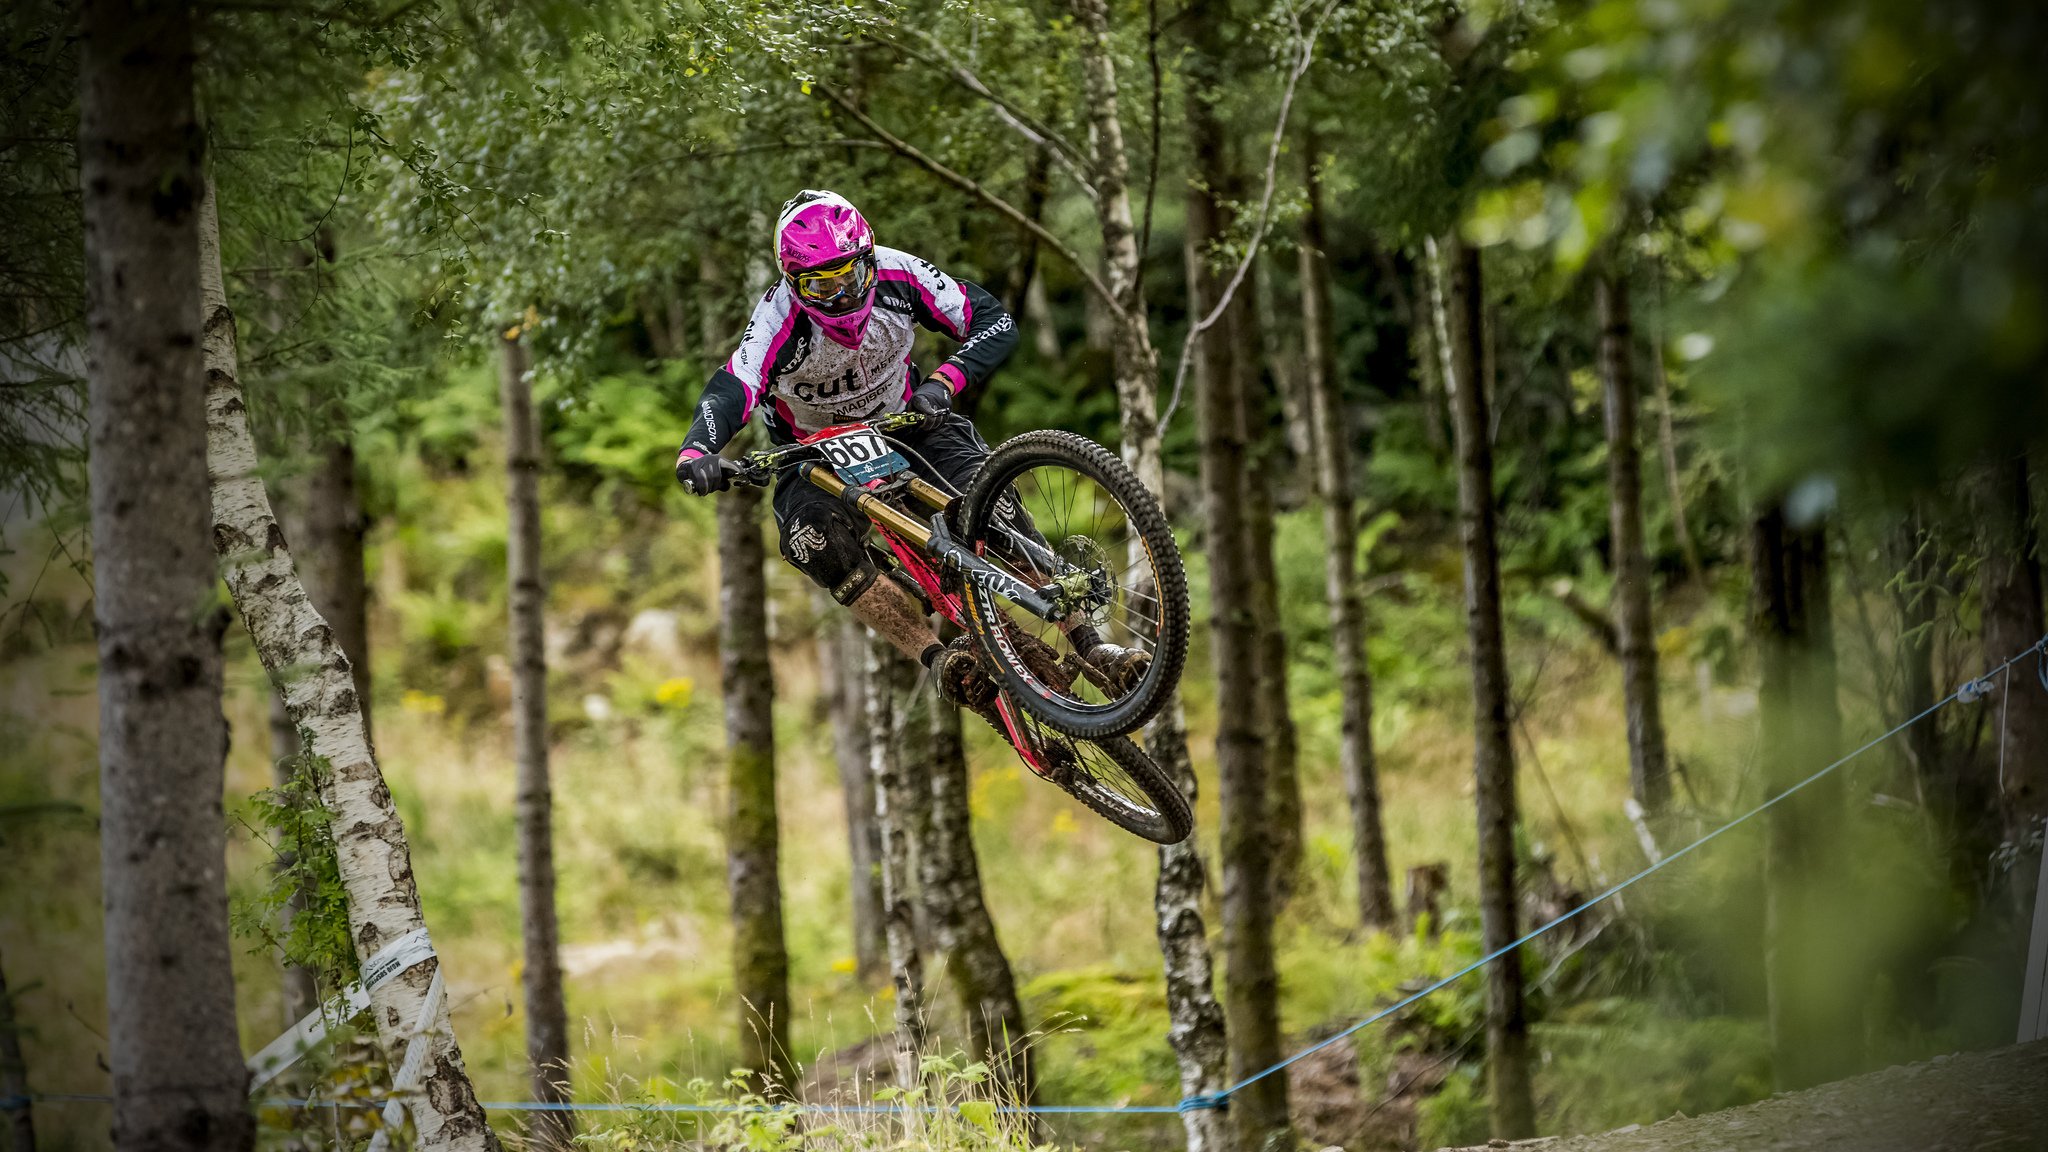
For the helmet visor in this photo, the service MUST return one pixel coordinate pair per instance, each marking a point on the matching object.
(836, 288)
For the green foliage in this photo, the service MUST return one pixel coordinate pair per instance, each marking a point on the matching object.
(622, 428)
(1826, 213)
(1608, 1063)
(1328, 984)
(1456, 1115)
(1105, 1035)
(1849, 180)
(301, 915)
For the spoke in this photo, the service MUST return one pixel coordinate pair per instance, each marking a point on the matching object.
(1140, 638)
(1131, 621)
(1134, 593)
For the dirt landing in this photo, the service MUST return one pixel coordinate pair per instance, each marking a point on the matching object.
(1979, 1102)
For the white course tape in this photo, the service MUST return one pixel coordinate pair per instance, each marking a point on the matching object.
(399, 956)
(395, 957)
(304, 1036)
(409, 1073)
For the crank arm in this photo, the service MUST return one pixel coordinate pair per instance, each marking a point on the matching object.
(989, 578)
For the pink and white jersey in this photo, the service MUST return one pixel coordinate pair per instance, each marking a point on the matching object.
(805, 380)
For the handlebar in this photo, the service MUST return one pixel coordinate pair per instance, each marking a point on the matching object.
(760, 468)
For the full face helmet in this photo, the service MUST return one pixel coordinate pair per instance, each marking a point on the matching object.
(827, 254)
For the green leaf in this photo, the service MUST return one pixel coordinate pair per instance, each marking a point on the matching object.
(981, 1114)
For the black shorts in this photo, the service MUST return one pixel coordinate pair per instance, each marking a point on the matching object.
(825, 539)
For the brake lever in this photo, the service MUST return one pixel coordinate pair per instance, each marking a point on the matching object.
(745, 471)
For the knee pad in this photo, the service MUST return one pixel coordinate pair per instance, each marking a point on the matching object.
(823, 545)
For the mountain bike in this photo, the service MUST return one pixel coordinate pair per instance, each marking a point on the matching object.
(1054, 531)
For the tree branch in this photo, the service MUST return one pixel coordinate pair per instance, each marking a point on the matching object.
(1152, 158)
(1251, 252)
(745, 149)
(975, 189)
(1022, 122)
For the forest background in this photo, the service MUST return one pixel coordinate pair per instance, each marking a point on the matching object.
(1711, 329)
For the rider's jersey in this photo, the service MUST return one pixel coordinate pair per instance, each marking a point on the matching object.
(804, 380)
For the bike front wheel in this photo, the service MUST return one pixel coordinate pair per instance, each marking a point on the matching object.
(1060, 512)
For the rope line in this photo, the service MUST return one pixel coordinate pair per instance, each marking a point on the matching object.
(1969, 692)
(372, 1105)
(1222, 1097)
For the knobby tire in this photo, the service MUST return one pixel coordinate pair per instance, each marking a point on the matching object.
(985, 616)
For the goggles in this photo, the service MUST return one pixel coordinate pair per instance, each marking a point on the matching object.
(837, 287)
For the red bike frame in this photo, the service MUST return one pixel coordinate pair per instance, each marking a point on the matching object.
(909, 540)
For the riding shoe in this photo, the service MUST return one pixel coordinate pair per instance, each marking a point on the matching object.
(961, 680)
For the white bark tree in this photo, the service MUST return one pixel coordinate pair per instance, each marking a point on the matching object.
(893, 805)
(308, 669)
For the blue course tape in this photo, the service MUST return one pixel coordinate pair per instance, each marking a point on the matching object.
(1970, 692)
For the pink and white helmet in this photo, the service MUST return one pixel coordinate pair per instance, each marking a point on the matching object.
(827, 254)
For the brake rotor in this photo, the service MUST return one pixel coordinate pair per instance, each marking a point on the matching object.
(1086, 584)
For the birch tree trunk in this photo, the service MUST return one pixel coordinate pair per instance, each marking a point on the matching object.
(2011, 588)
(1331, 443)
(842, 648)
(328, 531)
(171, 1044)
(323, 516)
(962, 929)
(298, 649)
(1636, 633)
(892, 805)
(1813, 1009)
(1432, 357)
(547, 1017)
(1197, 1022)
(1507, 1027)
(760, 957)
(1251, 984)
(1136, 363)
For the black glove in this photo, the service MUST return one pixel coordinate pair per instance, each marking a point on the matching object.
(703, 475)
(933, 398)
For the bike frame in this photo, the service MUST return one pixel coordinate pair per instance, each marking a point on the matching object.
(918, 547)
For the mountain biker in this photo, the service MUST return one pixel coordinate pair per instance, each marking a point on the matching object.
(830, 343)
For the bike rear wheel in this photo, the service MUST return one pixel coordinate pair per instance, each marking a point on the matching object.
(1115, 778)
(1058, 509)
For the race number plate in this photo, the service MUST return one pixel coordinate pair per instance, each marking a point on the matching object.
(862, 457)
